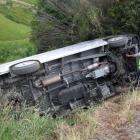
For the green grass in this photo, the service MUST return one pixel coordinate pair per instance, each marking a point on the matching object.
(26, 125)
(14, 40)
(15, 32)
(18, 14)
(10, 30)
(29, 127)
(34, 2)
(12, 50)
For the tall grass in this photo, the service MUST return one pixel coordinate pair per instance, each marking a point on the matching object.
(26, 124)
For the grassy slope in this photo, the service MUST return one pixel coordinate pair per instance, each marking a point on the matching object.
(10, 30)
(18, 14)
(15, 33)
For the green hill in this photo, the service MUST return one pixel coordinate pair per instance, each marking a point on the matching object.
(10, 30)
(19, 14)
(15, 30)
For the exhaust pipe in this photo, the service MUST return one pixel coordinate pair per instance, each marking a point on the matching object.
(51, 80)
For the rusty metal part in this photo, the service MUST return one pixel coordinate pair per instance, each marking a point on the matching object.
(51, 80)
(95, 65)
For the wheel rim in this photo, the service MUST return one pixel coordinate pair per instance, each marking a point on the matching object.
(27, 63)
(116, 38)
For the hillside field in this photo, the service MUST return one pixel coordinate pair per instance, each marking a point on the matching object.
(15, 30)
(10, 30)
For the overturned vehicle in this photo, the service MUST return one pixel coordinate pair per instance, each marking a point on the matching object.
(71, 77)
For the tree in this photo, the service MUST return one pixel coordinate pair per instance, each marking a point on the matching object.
(62, 22)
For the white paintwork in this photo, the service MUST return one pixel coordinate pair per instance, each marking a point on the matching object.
(56, 54)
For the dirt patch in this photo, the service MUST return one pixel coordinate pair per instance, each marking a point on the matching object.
(119, 120)
(126, 131)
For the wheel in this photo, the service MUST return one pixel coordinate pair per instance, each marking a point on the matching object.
(26, 67)
(118, 41)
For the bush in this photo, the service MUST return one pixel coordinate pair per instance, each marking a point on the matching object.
(123, 17)
(61, 22)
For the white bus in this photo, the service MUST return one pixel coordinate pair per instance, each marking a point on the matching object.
(70, 77)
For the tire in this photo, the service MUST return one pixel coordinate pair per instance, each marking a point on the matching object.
(26, 67)
(118, 41)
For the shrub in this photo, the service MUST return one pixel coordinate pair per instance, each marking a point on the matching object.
(123, 17)
(61, 22)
